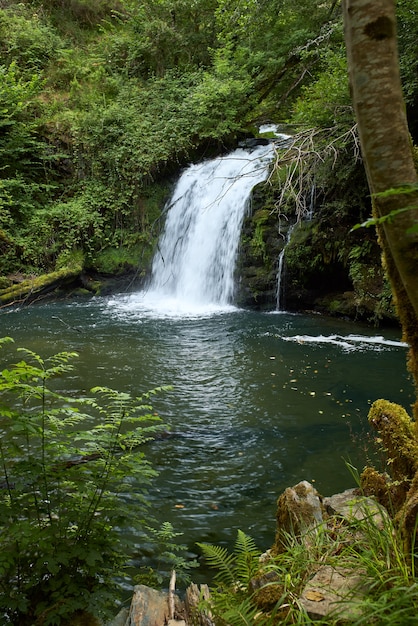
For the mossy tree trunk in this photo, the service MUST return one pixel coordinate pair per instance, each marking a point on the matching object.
(370, 33)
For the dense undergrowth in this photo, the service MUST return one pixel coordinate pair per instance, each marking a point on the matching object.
(251, 588)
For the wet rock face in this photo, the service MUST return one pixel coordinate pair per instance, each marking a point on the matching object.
(263, 238)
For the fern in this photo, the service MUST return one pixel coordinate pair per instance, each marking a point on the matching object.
(65, 474)
(233, 569)
(167, 558)
(246, 558)
(218, 558)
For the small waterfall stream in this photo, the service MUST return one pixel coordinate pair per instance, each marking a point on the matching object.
(280, 270)
(194, 265)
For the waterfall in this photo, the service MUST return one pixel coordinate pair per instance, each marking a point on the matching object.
(280, 269)
(194, 265)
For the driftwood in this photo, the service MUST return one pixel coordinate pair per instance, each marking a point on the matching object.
(194, 595)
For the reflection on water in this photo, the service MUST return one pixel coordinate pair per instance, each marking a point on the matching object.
(259, 401)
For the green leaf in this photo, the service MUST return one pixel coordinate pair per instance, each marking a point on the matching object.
(372, 221)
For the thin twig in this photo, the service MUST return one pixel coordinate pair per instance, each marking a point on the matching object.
(301, 159)
(171, 594)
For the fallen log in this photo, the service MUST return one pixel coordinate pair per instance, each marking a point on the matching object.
(28, 289)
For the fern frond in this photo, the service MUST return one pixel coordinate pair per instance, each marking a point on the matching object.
(218, 558)
(246, 558)
(245, 543)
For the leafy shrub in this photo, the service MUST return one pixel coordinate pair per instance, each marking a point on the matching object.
(67, 469)
(26, 40)
(24, 157)
(61, 227)
(326, 101)
(166, 557)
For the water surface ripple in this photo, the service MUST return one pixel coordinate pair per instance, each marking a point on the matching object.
(259, 401)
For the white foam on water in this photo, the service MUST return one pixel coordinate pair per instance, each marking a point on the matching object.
(150, 304)
(348, 342)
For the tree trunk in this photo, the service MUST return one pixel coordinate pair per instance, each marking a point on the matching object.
(370, 33)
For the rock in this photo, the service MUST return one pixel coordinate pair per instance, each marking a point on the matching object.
(267, 590)
(148, 607)
(253, 142)
(120, 619)
(354, 507)
(299, 511)
(334, 590)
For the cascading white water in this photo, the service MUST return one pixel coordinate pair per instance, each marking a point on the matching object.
(280, 269)
(195, 261)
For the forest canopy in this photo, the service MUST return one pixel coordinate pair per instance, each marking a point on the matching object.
(104, 101)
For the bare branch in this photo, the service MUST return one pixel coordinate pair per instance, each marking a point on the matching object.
(300, 161)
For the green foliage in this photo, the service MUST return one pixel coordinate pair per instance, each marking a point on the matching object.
(60, 228)
(76, 19)
(217, 103)
(270, 42)
(389, 217)
(128, 150)
(18, 122)
(25, 158)
(26, 40)
(374, 551)
(257, 242)
(158, 37)
(67, 466)
(101, 99)
(236, 568)
(166, 557)
(326, 101)
(116, 260)
(407, 17)
(231, 600)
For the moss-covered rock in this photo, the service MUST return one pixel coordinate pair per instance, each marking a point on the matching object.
(263, 237)
(299, 511)
(397, 437)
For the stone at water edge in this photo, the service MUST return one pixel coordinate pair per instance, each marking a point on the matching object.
(148, 607)
(120, 619)
(299, 510)
(352, 506)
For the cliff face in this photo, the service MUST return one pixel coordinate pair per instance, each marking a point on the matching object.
(315, 261)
